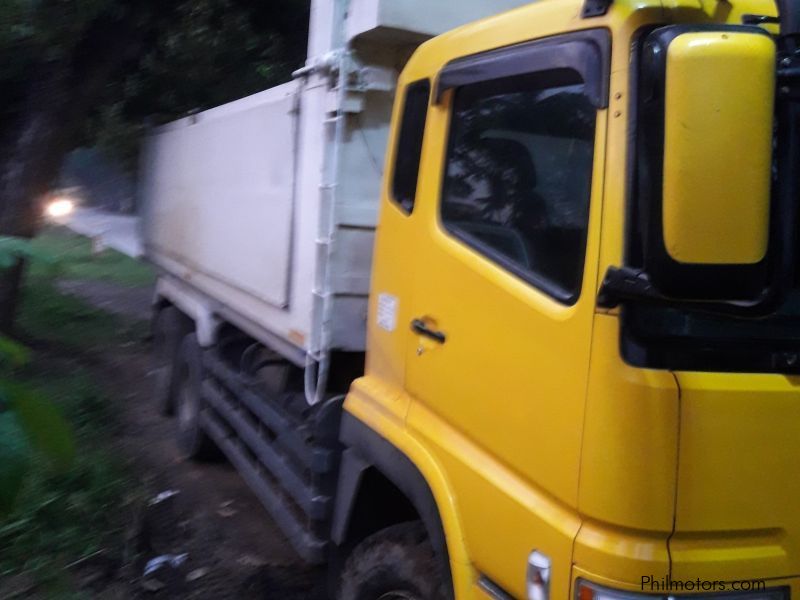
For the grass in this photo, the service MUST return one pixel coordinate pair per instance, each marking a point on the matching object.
(49, 316)
(62, 517)
(74, 260)
(46, 315)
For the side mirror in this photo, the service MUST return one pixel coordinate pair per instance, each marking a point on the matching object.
(704, 161)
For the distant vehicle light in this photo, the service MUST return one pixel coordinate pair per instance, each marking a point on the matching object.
(59, 208)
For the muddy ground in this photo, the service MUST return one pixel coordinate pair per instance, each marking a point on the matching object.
(233, 548)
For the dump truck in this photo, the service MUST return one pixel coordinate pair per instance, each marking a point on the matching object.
(499, 299)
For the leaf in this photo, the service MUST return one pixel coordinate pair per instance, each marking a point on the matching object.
(14, 459)
(42, 423)
(13, 353)
(13, 248)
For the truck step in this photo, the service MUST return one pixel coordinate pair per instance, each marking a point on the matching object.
(289, 429)
(287, 451)
(310, 547)
(317, 507)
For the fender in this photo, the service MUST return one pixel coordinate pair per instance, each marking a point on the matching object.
(365, 449)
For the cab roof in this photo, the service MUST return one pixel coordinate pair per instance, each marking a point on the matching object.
(552, 17)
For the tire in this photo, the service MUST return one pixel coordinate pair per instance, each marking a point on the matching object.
(397, 563)
(193, 442)
(169, 329)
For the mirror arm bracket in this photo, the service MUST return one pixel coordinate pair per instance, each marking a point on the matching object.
(622, 284)
(595, 8)
(626, 283)
(789, 78)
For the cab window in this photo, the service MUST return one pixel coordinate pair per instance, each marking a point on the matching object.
(409, 144)
(518, 177)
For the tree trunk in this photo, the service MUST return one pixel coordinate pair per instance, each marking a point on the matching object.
(34, 147)
(56, 104)
(10, 283)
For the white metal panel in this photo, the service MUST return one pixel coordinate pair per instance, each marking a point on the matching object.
(220, 186)
(423, 18)
(269, 212)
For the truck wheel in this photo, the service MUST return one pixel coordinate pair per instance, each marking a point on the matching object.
(397, 563)
(169, 329)
(193, 441)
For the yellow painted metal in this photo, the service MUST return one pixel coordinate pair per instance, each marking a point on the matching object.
(628, 479)
(385, 362)
(527, 424)
(739, 456)
(366, 402)
(720, 93)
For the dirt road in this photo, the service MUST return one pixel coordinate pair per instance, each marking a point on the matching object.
(233, 548)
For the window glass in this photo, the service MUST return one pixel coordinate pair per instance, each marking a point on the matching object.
(409, 145)
(518, 178)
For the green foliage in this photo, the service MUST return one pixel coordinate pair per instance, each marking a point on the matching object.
(66, 320)
(13, 248)
(27, 420)
(44, 427)
(76, 261)
(66, 509)
(13, 353)
(179, 56)
(213, 52)
(61, 515)
(69, 322)
(15, 454)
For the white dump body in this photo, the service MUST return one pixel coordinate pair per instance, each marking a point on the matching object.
(262, 211)
(221, 194)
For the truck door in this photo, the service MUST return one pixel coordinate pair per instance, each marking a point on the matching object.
(504, 293)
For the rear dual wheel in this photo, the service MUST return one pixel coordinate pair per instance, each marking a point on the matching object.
(169, 329)
(193, 441)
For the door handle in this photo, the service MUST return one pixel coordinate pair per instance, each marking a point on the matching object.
(419, 326)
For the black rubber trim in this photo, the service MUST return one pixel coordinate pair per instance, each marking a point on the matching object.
(587, 53)
(351, 472)
(493, 589)
(789, 12)
(408, 149)
(547, 286)
(595, 8)
(366, 448)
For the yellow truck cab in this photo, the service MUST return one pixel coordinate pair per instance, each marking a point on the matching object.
(570, 334)
(561, 358)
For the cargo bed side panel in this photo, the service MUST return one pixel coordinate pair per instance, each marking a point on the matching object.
(220, 189)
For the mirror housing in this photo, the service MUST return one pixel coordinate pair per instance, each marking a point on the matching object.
(704, 170)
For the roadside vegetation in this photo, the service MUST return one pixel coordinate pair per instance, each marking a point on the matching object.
(50, 316)
(71, 515)
(75, 260)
